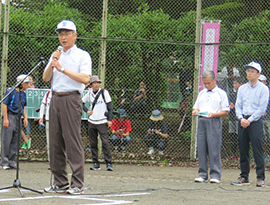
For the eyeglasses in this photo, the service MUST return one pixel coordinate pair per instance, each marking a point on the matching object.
(65, 34)
(251, 71)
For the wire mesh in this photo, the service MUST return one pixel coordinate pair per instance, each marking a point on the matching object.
(150, 48)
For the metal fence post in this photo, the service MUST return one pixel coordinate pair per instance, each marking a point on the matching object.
(103, 54)
(4, 52)
(196, 79)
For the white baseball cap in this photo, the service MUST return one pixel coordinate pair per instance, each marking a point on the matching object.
(262, 77)
(254, 65)
(66, 24)
(21, 77)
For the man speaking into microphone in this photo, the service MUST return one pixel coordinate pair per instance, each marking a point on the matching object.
(70, 71)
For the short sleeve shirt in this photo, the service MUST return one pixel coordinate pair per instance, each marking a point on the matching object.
(213, 101)
(12, 101)
(160, 126)
(124, 125)
(98, 116)
(76, 60)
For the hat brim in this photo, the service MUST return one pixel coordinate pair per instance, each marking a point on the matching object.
(98, 81)
(123, 115)
(156, 118)
(248, 66)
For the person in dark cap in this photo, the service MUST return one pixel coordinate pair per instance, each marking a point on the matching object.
(157, 134)
(100, 118)
(121, 128)
(251, 104)
(9, 131)
(69, 70)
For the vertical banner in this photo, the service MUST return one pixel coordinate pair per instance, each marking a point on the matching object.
(209, 55)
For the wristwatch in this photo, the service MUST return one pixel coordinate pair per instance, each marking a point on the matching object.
(62, 69)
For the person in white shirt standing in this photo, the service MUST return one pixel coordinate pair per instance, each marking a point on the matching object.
(45, 106)
(100, 118)
(70, 71)
(214, 101)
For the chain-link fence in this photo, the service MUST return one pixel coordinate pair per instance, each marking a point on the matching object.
(151, 63)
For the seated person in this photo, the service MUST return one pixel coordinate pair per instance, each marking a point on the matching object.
(121, 129)
(139, 98)
(120, 95)
(157, 134)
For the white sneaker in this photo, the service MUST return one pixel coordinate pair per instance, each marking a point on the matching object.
(200, 180)
(75, 191)
(6, 167)
(214, 181)
(151, 151)
(57, 189)
(160, 152)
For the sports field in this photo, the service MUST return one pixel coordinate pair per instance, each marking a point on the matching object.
(132, 184)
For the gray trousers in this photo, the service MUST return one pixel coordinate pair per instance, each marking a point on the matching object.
(209, 137)
(9, 141)
(65, 139)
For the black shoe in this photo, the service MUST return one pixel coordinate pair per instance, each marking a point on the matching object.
(95, 167)
(109, 167)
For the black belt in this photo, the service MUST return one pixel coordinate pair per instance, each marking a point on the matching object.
(246, 116)
(10, 112)
(65, 93)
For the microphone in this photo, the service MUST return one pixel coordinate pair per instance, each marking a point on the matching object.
(60, 49)
(42, 60)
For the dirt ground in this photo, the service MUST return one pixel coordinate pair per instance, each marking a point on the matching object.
(132, 184)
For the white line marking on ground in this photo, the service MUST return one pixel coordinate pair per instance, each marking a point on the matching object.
(82, 197)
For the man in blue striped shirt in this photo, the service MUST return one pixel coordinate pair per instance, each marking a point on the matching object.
(251, 103)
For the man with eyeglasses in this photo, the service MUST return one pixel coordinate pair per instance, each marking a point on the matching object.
(251, 103)
(70, 72)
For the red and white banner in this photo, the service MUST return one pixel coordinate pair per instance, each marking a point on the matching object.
(209, 58)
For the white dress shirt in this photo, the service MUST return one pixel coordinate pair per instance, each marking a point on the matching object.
(213, 101)
(76, 60)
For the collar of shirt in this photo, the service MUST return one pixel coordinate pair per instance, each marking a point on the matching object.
(94, 94)
(254, 86)
(68, 52)
(213, 90)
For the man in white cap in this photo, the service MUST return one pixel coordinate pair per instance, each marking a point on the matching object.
(70, 71)
(251, 103)
(9, 132)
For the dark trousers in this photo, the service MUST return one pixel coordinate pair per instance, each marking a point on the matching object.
(93, 131)
(65, 139)
(155, 141)
(254, 135)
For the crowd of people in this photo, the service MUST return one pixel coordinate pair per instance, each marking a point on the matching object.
(70, 72)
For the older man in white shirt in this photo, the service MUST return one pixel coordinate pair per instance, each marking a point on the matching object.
(69, 71)
(212, 104)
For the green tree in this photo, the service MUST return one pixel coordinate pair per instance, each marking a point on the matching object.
(144, 60)
(251, 38)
